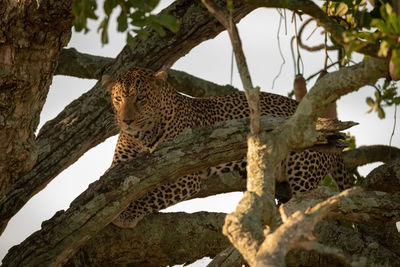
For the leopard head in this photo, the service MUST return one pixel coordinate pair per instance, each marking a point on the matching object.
(136, 96)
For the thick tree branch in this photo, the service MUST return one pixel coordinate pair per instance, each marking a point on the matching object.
(193, 150)
(229, 257)
(81, 65)
(363, 206)
(236, 182)
(310, 8)
(369, 154)
(369, 207)
(89, 120)
(156, 241)
(360, 249)
(298, 131)
(244, 227)
(384, 178)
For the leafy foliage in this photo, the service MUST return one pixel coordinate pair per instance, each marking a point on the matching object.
(134, 17)
(381, 26)
(329, 182)
(350, 141)
(386, 94)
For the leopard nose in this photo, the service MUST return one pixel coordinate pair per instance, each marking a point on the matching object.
(128, 122)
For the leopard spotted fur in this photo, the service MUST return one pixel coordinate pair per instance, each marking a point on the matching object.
(150, 111)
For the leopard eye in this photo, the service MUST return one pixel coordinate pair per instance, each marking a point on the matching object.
(140, 97)
(118, 98)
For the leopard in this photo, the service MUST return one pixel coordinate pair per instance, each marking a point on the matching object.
(150, 112)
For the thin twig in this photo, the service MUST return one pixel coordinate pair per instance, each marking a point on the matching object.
(297, 43)
(293, 57)
(284, 13)
(280, 52)
(326, 51)
(394, 124)
(318, 72)
(223, 17)
(311, 48)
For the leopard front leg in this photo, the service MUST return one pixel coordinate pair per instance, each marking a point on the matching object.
(160, 198)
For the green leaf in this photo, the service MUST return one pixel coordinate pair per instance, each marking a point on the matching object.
(168, 21)
(394, 22)
(129, 38)
(370, 102)
(103, 27)
(122, 22)
(143, 33)
(383, 49)
(381, 25)
(144, 5)
(138, 19)
(109, 5)
(396, 56)
(157, 27)
(341, 9)
(351, 141)
(381, 112)
(328, 181)
(104, 36)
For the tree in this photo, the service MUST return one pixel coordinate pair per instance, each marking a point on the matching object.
(81, 234)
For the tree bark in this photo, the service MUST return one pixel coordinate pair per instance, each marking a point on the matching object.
(158, 240)
(118, 246)
(298, 132)
(368, 154)
(31, 36)
(195, 149)
(89, 120)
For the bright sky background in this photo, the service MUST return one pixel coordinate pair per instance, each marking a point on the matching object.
(211, 61)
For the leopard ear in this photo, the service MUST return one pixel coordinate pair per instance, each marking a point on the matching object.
(108, 82)
(161, 75)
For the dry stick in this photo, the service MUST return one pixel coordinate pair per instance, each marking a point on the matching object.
(326, 51)
(244, 227)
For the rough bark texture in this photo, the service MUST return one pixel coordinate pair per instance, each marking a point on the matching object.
(158, 240)
(62, 235)
(361, 249)
(195, 149)
(368, 154)
(365, 245)
(89, 120)
(299, 131)
(81, 65)
(31, 36)
(365, 206)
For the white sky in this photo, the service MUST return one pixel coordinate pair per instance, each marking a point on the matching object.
(210, 61)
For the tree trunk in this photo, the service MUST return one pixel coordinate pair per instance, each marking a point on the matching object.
(31, 36)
